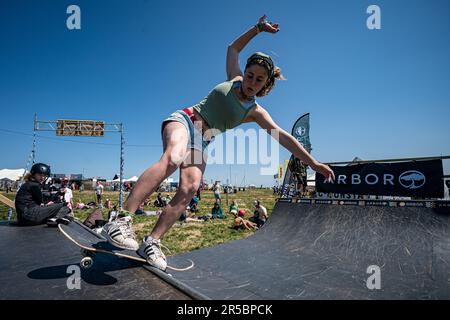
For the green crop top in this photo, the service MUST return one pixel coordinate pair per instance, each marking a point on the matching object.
(222, 109)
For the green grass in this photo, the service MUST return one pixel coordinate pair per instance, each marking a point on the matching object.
(184, 237)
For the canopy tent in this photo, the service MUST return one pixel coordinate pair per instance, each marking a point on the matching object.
(12, 174)
(132, 179)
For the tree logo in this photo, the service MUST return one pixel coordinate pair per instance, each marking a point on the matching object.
(412, 179)
(300, 131)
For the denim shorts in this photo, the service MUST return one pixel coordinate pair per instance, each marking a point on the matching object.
(196, 140)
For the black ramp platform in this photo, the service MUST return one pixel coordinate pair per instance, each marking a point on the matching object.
(323, 252)
(34, 262)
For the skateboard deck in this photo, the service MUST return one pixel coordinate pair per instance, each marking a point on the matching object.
(91, 243)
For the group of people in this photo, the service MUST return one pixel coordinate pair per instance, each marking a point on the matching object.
(256, 221)
(7, 185)
(161, 201)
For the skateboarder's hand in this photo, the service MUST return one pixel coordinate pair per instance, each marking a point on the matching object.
(268, 26)
(324, 170)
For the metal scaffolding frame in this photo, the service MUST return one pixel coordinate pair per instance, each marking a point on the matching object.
(51, 126)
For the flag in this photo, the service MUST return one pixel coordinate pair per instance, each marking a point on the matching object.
(300, 131)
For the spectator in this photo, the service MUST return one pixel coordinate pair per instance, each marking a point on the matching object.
(217, 211)
(183, 216)
(242, 224)
(108, 204)
(30, 208)
(80, 205)
(113, 214)
(193, 204)
(216, 190)
(234, 208)
(166, 200)
(140, 210)
(67, 193)
(186, 216)
(8, 187)
(99, 193)
(260, 216)
(159, 201)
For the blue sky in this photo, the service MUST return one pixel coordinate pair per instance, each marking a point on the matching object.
(371, 93)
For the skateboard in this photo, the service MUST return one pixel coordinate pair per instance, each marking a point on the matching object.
(91, 243)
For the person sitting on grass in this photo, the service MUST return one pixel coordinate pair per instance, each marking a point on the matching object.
(140, 210)
(217, 211)
(108, 204)
(193, 204)
(80, 205)
(187, 216)
(159, 201)
(166, 200)
(260, 215)
(242, 224)
(234, 208)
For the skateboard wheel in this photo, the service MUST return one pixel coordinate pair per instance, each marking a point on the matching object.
(86, 262)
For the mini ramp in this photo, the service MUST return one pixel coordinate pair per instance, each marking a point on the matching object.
(34, 264)
(305, 251)
(322, 251)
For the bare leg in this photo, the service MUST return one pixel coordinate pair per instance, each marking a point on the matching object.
(190, 176)
(175, 138)
(250, 225)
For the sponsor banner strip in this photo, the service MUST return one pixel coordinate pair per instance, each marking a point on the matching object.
(423, 179)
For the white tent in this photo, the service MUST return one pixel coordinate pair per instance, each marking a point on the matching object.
(132, 179)
(11, 174)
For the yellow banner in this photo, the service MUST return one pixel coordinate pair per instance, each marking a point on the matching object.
(286, 164)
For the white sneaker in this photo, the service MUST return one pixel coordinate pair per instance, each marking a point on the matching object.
(120, 233)
(150, 249)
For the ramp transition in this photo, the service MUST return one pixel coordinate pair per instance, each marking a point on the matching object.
(321, 251)
(308, 250)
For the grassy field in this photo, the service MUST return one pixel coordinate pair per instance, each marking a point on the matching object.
(184, 237)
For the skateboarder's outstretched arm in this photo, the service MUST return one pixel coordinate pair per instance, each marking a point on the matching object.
(265, 121)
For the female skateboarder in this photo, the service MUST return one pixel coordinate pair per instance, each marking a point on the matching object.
(30, 206)
(228, 105)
